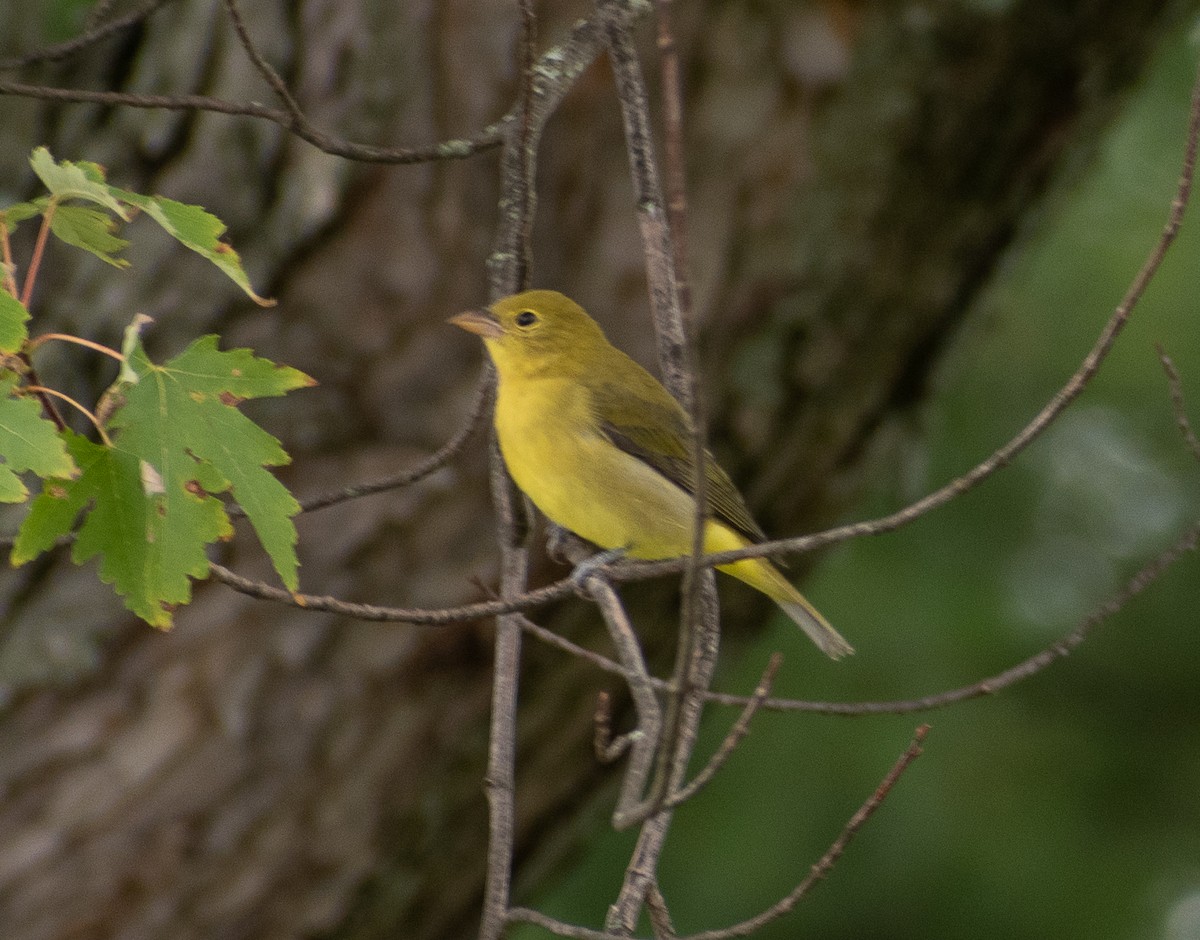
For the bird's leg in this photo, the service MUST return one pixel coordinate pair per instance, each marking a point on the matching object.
(557, 541)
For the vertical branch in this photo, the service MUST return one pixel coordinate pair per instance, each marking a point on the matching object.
(509, 270)
(699, 635)
(500, 781)
(510, 263)
(699, 592)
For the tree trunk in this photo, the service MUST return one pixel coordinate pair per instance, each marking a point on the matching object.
(856, 172)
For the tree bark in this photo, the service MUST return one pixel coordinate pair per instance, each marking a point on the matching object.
(857, 171)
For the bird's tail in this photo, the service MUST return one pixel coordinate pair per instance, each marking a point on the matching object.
(809, 619)
(764, 576)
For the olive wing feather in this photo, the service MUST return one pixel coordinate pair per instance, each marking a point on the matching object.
(638, 416)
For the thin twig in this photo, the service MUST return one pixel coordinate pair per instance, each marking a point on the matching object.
(500, 781)
(829, 859)
(1145, 576)
(1178, 405)
(777, 910)
(539, 597)
(435, 461)
(265, 69)
(1003, 455)
(677, 234)
(425, 616)
(606, 748)
(1140, 581)
(736, 734)
(556, 73)
(525, 915)
(457, 149)
(97, 32)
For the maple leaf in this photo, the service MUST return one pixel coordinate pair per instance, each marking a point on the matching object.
(147, 493)
(28, 442)
(184, 413)
(151, 538)
(13, 320)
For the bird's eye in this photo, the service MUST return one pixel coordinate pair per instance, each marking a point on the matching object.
(526, 318)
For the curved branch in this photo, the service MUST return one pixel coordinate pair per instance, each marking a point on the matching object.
(435, 461)
(64, 50)
(1146, 576)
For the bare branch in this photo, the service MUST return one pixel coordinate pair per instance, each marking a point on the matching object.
(525, 915)
(435, 461)
(1003, 455)
(516, 209)
(748, 927)
(1147, 575)
(699, 632)
(554, 75)
(264, 68)
(643, 742)
(660, 916)
(830, 858)
(426, 616)
(340, 147)
(1178, 405)
(740, 729)
(1140, 581)
(97, 32)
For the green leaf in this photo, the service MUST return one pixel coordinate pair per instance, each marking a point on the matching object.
(28, 443)
(18, 213)
(68, 180)
(90, 229)
(150, 534)
(197, 229)
(13, 317)
(185, 412)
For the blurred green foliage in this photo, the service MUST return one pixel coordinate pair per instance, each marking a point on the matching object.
(65, 19)
(1067, 806)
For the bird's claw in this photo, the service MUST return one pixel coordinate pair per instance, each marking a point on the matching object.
(589, 566)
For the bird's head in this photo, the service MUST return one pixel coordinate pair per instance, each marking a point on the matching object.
(537, 331)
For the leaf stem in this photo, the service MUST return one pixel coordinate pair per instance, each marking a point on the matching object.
(39, 249)
(78, 341)
(42, 390)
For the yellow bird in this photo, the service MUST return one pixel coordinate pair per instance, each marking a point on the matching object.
(602, 449)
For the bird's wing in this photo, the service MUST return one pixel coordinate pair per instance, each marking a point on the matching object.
(642, 419)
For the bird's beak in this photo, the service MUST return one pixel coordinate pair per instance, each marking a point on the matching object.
(481, 322)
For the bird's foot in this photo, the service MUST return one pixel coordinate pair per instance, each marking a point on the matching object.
(589, 566)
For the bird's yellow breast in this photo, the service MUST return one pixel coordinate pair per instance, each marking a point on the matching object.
(578, 478)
